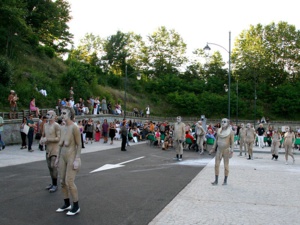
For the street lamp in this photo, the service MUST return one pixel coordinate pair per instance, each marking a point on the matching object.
(207, 48)
(138, 76)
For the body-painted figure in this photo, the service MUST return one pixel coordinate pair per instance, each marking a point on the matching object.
(289, 139)
(69, 161)
(179, 137)
(51, 137)
(242, 134)
(224, 144)
(276, 138)
(249, 139)
(200, 132)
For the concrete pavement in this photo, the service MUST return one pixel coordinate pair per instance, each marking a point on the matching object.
(259, 191)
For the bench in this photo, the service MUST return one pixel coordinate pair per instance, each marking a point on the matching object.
(25, 113)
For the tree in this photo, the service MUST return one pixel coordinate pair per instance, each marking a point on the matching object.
(48, 20)
(13, 27)
(166, 51)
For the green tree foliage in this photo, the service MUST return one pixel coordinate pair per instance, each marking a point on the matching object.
(48, 19)
(166, 52)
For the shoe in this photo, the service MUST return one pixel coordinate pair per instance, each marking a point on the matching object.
(48, 187)
(163, 149)
(63, 208)
(175, 158)
(293, 161)
(73, 212)
(3, 147)
(123, 150)
(53, 189)
(201, 153)
(286, 163)
(31, 150)
(180, 159)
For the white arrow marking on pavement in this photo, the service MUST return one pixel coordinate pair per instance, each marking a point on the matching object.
(113, 166)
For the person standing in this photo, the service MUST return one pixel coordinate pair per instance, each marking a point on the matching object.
(23, 134)
(1, 130)
(276, 138)
(148, 111)
(12, 98)
(260, 132)
(112, 132)
(249, 140)
(242, 134)
(104, 106)
(30, 134)
(224, 144)
(89, 131)
(71, 93)
(105, 130)
(123, 132)
(200, 132)
(289, 139)
(69, 162)
(179, 137)
(51, 137)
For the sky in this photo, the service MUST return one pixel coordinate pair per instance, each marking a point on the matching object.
(197, 21)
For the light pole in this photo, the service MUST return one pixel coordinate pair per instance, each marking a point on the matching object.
(138, 76)
(207, 48)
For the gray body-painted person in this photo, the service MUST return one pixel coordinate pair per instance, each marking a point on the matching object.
(289, 139)
(51, 138)
(69, 161)
(276, 138)
(179, 137)
(224, 144)
(249, 139)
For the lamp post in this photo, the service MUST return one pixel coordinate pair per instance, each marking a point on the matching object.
(138, 77)
(207, 48)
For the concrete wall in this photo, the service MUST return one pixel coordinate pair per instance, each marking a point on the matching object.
(11, 134)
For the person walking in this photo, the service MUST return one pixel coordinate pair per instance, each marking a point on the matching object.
(242, 134)
(50, 138)
(1, 131)
(289, 139)
(69, 162)
(249, 140)
(276, 138)
(179, 137)
(261, 132)
(224, 145)
(200, 132)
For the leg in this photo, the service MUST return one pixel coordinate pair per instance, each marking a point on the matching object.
(217, 167)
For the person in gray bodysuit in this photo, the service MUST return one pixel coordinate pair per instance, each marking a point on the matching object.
(200, 132)
(242, 134)
(69, 161)
(51, 137)
(249, 139)
(276, 138)
(224, 144)
(179, 137)
(289, 139)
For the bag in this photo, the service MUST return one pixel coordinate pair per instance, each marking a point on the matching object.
(38, 136)
(25, 129)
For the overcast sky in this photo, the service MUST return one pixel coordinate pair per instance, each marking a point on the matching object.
(197, 21)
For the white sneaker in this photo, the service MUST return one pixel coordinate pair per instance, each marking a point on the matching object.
(286, 163)
(70, 213)
(64, 208)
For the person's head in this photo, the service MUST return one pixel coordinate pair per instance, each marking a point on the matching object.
(51, 115)
(24, 119)
(248, 125)
(287, 129)
(242, 125)
(32, 99)
(178, 119)
(260, 125)
(31, 116)
(200, 122)
(225, 123)
(67, 113)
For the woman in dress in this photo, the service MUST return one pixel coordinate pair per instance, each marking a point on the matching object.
(33, 108)
(98, 131)
(104, 106)
(112, 132)
(23, 135)
(89, 130)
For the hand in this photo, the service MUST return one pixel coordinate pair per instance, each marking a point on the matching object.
(44, 140)
(230, 154)
(76, 164)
